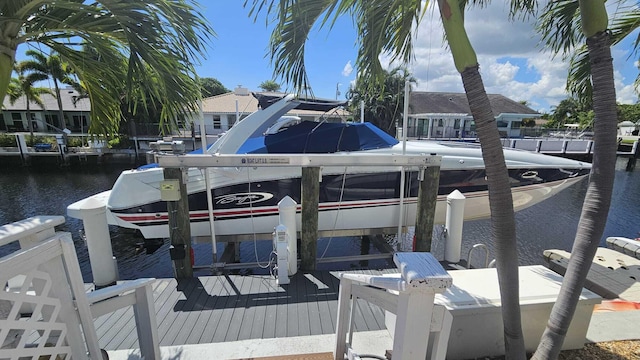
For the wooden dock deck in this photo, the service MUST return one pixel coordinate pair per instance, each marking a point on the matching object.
(612, 274)
(211, 309)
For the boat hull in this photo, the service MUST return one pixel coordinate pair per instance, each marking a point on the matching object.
(351, 204)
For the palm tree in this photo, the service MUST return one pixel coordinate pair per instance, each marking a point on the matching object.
(269, 85)
(386, 26)
(594, 21)
(54, 68)
(135, 40)
(383, 104)
(559, 26)
(24, 86)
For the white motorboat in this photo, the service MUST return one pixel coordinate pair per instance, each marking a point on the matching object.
(353, 201)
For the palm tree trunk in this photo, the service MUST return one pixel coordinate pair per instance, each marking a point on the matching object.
(500, 199)
(62, 123)
(29, 117)
(503, 228)
(597, 199)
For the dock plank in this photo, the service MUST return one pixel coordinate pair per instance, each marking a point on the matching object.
(184, 287)
(214, 304)
(193, 306)
(234, 307)
(311, 289)
(253, 314)
(231, 291)
(304, 327)
(240, 308)
(264, 313)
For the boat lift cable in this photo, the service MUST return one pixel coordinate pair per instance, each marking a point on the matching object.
(335, 222)
(253, 229)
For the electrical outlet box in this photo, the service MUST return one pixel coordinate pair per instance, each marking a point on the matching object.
(170, 190)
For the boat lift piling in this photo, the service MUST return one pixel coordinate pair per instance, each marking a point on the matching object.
(172, 190)
(426, 207)
(310, 195)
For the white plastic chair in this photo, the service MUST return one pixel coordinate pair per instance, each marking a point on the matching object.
(61, 324)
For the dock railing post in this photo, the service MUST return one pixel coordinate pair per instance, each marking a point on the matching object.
(309, 229)
(93, 213)
(179, 226)
(426, 209)
(453, 224)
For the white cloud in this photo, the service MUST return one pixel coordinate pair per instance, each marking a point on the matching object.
(541, 82)
(348, 68)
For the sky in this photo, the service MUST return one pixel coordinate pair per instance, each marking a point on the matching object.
(511, 62)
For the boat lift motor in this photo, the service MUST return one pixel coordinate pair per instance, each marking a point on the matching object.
(280, 244)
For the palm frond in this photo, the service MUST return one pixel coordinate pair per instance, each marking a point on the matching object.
(560, 26)
(579, 77)
(160, 39)
(385, 27)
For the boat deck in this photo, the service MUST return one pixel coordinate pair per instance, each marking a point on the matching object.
(210, 309)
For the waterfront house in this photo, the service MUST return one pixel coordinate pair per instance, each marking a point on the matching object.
(447, 115)
(46, 119)
(222, 111)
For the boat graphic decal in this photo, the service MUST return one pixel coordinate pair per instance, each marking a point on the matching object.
(243, 198)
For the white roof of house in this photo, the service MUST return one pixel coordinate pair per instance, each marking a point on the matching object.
(50, 102)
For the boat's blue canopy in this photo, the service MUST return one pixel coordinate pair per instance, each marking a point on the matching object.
(313, 137)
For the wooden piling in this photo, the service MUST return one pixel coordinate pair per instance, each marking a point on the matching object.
(426, 208)
(309, 231)
(179, 227)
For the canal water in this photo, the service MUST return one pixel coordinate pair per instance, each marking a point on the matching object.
(26, 192)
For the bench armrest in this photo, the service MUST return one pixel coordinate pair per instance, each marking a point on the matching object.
(116, 290)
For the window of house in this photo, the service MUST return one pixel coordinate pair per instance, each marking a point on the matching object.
(516, 124)
(216, 122)
(232, 120)
(456, 124)
(502, 124)
(79, 121)
(440, 122)
(51, 119)
(17, 120)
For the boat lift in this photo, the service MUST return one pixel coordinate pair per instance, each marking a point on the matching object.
(307, 162)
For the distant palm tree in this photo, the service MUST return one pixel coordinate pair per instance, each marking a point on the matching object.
(23, 86)
(135, 41)
(383, 104)
(269, 85)
(54, 68)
